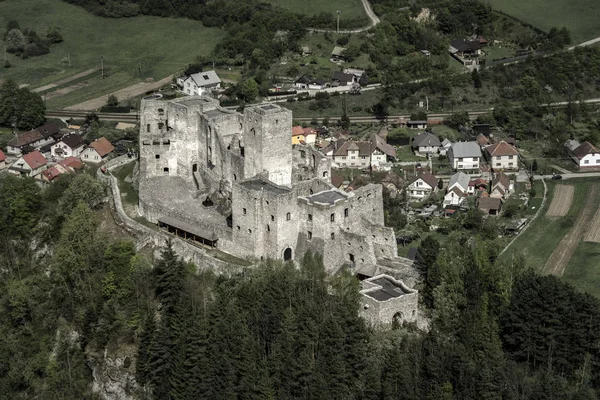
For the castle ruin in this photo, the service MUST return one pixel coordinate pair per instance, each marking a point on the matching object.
(234, 182)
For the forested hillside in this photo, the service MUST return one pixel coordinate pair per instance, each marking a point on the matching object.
(70, 296)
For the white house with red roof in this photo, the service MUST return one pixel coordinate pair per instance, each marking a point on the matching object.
(31, 164)
(97, 151)
(503, 156)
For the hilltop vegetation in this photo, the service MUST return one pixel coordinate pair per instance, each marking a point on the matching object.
(71, 295)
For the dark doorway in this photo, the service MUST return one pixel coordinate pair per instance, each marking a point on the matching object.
(194, 167)
(208, 202)
(397, 320)
(287, 254)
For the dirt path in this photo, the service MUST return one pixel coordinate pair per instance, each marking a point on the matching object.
(123, 94)
(372, 16)
(66, 80)
(560, 257)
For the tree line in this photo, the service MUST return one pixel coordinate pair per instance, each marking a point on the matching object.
(70, 290)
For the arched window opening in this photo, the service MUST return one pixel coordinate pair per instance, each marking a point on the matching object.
(287, 254)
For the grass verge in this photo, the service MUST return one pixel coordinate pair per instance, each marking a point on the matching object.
(582, 270)
(349, 9)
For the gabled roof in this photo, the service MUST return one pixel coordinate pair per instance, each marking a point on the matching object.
(309, 131)
(585, 149)
(297, 130)
(465, 45)
(429, 179)
(2, 156)
(446, 143)
(457, 192)
(304, 79)
(482, 140)
(320, 81)
(102, 146)
(501, 149)
(426, 139)
(342, 77)
(337, 180)
(35, 159)
(48, 129)
(74, 141)
(489, 203)
(71, 162)
(338, 51)
(501, 179)
(381, 144)
(25, 138)
(364, 148)
(206, 78)
(466, 149)
(461, 179)
(52, 172)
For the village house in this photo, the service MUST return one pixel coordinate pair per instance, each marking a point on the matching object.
(416, 124)
(34, 139)
(67, 166)
(307, 82)
(501, 186)
(31, 164)
(489, 205)
(465, 156)
(337, 55)
(200, 83)
(97, 151)
(458, 189)
(339, 78)
(503, 156)
(477, 185)
(421, 186)
(586, 156)
(346, 153)
(69, 146)
(2, 160)
(467, 52)
(446, 143)
(426, 143)
(303, 81)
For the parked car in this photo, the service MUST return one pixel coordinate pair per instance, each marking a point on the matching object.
(556, 176)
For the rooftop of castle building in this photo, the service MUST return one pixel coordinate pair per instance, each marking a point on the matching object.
(327, 197)
(264, 184)
(388, 288)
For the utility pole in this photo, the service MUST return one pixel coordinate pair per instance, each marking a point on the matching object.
(338, 21)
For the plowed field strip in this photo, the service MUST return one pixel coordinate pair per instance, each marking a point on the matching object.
(593, 233)
(561, 201)
(559, 259)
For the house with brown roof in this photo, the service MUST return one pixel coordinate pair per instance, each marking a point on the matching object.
(586, 156)
(352, 154)
(31, 164)
(501, 186)
(482, 140)
(71, 162)
(489, 205)
(502, 156)
(69, 146)
(421, 186)
(2, 160)
(33, 139)
(97, 151)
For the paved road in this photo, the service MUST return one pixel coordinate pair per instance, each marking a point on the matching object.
(588, 43)
(570, 175)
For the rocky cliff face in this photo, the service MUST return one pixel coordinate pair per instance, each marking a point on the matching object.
(114, 376)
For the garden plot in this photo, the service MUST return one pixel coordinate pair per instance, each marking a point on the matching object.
(561, 201)
(593, 233)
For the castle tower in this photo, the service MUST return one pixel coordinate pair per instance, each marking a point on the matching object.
(267, 143)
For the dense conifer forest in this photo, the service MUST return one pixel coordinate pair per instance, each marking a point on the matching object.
(69, 293)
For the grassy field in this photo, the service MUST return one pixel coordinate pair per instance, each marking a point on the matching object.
(349, 8)
(538, 242)
(134, 49)
(579, 16)
(583, 270)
